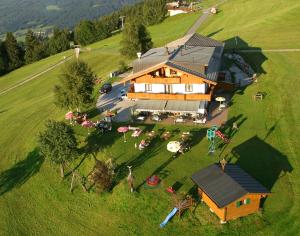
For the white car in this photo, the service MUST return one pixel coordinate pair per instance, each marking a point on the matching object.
(122, 95)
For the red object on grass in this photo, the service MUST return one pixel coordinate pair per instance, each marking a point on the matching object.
(153, 180)
(170, 190)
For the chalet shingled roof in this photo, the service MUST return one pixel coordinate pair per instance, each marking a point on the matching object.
(225, 187)
(191, 54)
(202, 41)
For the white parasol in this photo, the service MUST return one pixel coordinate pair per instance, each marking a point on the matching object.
(173, 146)
(220, 99)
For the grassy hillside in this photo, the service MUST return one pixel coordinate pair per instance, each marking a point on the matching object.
(34, 200)
(267, 24)
(22, 114)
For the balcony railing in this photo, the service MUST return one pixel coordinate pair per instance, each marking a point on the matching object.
(165, 96)
(148, 79)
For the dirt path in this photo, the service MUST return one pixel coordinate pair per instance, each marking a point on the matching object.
(32, 77)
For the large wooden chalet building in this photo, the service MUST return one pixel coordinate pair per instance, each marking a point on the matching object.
(177, 78)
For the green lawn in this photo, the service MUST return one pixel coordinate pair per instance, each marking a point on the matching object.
(34, 200)
(267, 24)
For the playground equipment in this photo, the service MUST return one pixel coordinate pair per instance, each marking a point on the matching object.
(153, 180)
(180, 206)
(172, 213)
(211, 135)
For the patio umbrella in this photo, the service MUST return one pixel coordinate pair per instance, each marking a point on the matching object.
(220, 99)
(123, 129)
(173, 146)
(69, 116)
(87, 124)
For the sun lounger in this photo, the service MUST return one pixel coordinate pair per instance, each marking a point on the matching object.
(136, 133)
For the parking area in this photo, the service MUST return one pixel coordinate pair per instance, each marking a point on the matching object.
(111, 101)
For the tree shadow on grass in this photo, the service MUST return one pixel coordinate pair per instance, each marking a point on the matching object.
(20, 172)
(262, 161)
(196, 137)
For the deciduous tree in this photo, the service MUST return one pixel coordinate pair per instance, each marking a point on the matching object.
(102, 176)
(58, 143)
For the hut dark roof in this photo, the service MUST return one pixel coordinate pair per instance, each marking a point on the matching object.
(225, 187)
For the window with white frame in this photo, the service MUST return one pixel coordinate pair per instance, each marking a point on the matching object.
(148, 87)
(189, 88)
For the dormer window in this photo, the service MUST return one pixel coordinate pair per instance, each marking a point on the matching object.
(173, 72)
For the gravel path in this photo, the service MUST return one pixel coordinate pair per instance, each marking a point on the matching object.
(202, 18)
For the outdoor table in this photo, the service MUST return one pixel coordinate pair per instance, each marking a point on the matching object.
(179, 120)
(166, 135)
(141, 118)
(151, 134)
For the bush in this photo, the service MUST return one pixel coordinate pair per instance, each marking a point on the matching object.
(102, 175)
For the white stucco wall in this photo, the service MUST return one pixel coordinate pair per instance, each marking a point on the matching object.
(177, 88)
(180, 88)
(139, 88)
(158, 88)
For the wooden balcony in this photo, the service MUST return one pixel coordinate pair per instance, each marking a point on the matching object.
(165, 96)
(148, 79)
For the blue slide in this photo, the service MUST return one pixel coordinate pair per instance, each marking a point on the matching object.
(172, 213)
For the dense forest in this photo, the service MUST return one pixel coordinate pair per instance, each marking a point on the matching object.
(16, 15)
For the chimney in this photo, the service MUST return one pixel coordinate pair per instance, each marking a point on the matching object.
(139, 55)
(223, 163)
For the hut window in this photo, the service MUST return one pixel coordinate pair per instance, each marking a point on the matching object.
(247, 201)
(148, 87)
(243, 202)
(239, 203)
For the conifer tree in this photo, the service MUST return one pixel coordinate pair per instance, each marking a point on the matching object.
(154, 11)
(76, 88)
(136, 38)
(30, 43)
(13, 51)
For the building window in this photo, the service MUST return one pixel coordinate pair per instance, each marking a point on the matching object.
(243, 202)
(169, 88)
(189, 88)
(173, 72)
(148, 87)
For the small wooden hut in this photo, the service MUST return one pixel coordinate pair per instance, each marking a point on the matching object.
(229, 191)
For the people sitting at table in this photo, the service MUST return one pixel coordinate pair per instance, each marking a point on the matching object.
(143, 144)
